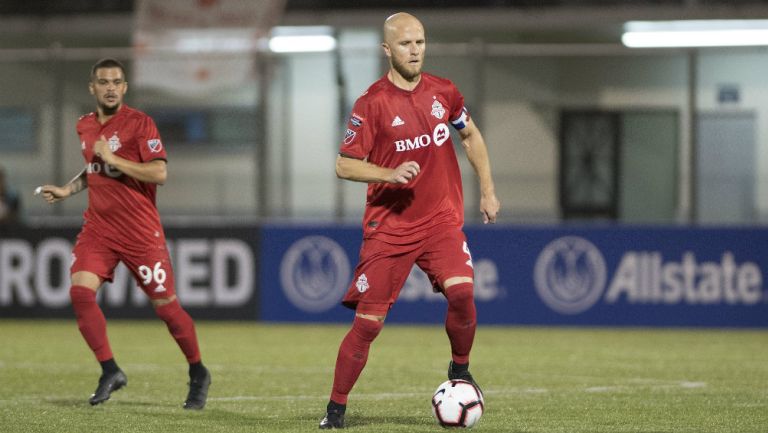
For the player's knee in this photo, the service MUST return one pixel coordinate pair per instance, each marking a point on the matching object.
(459, 294)
(166, 310)
(376, 317)
(86, 279)
(452, 281)
(367, 329)
(82, 295)
(159, 302)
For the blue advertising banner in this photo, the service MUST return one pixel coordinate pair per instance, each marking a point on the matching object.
(558, 275)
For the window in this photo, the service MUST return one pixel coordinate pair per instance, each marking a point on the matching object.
(17, 128)
(218, 127)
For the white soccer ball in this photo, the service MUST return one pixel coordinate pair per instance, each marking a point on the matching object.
(457, 403)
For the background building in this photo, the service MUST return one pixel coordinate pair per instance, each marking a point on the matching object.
(579, 126)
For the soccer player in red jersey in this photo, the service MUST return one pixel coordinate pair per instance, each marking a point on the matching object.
(397, 140)
(125, 161)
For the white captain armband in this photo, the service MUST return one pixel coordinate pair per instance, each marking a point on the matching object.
(461, 121)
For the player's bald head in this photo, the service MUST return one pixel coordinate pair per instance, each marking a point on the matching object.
(397, 24)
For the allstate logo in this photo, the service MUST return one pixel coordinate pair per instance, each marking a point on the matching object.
(570, 275)
(314, 273)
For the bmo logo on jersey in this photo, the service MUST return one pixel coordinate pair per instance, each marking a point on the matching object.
(98, 167)
(438, 136)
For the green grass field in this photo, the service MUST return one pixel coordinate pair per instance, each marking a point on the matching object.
(276, 378)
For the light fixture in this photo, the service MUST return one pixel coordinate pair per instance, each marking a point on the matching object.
(695, 33)
(302, 39)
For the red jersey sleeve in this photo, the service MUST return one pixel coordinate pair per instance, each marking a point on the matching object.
(361, 132)
(150, 145)
(459, 114)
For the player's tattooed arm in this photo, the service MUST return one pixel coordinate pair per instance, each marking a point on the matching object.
(78, 183)
(53, 193)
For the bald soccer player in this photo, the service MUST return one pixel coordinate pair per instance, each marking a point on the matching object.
(397, 140)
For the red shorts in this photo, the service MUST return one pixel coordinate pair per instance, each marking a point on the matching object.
(384, 267)
(152, 269)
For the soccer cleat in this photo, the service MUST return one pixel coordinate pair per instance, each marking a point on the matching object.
(458, 371)
(108, 383)
(333, 419)
(198, 391)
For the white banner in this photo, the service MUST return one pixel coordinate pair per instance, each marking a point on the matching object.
(200, 46)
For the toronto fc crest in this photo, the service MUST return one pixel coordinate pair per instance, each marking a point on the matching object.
(114, 142)
(362, 283)
(437, 109)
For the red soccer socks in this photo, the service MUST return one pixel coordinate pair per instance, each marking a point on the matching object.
(353, 354)
(460, 321)
(91, 321)
(93, 325)
(182, 328)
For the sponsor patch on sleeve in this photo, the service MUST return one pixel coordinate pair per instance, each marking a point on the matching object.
(356, 120)
(461, 121)
(155, 145)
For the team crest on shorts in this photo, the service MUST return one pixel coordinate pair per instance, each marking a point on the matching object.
(362, 283)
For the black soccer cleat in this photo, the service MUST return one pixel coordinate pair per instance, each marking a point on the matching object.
(198, 391)
(461, 371)
(333, 419)
(108, 383)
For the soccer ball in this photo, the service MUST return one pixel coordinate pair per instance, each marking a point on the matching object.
(457, 403)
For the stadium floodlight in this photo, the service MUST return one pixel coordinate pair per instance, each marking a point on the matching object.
(695, 33)
(302, 39)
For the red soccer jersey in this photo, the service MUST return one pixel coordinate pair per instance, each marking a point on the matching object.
(389, 126)
(120, 208)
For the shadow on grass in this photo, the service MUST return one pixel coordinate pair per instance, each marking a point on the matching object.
(363, 420)
(114, 403)
(68, 402)
(360, 420)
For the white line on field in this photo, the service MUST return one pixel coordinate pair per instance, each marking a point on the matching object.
(364, 396)
(498, 392)
(657, 385)
(652, 384)
(686, 384)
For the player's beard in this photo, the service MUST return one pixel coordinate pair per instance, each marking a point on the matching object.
(402, 69)
(109, 110)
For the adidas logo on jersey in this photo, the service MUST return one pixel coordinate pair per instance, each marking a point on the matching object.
(397, 121)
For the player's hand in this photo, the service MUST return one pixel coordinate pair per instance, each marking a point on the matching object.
(489, 207)
(102, 150)
(52, 193)
(404, 172)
